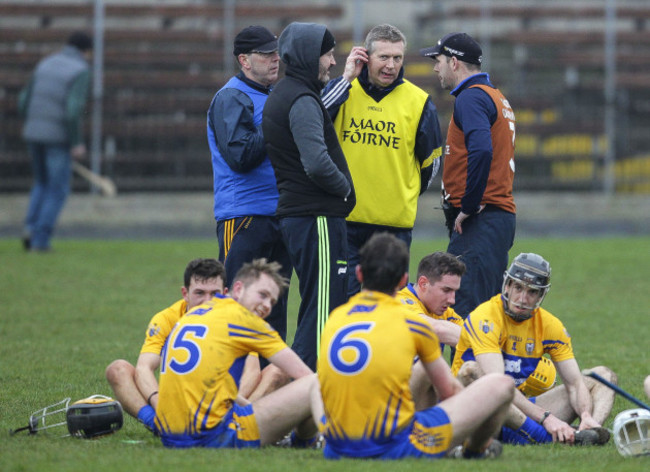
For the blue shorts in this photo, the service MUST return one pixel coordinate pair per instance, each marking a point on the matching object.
(238, 430)
(428, 436)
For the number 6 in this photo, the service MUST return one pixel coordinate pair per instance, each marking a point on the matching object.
(343, 339)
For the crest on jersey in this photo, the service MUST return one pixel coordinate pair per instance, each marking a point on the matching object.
(530, 345)
(362, 309)
(200, 311)
(486, 326)
(153, 330)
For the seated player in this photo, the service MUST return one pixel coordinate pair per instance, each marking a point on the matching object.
(432, 296)
(434, 293)
(366, 357)
(511, 334)
(137, 387)
(203, 360)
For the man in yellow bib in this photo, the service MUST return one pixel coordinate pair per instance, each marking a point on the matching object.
(389, 132)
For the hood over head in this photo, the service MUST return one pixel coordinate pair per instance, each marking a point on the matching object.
(299, 47)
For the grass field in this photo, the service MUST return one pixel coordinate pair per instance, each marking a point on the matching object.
(66, 315)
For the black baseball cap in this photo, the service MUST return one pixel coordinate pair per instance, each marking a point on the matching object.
(460, 45)
(255, 39)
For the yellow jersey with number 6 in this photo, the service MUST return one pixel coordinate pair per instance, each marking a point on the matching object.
(366, 356)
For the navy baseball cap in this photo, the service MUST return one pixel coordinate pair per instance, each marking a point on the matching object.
(460, 45)
(255, 39)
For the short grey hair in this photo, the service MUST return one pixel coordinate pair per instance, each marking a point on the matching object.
(384, 32)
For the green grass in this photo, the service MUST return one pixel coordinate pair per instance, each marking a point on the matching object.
(66, 315)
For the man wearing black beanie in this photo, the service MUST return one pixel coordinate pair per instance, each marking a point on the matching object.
(314, 184)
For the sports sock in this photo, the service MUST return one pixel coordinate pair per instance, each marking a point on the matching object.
(471, 454)
(528, 433)
(510, 436)
(146, 416)
(302, 443)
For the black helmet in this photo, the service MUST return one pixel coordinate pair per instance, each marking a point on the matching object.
(87, 418)
(94, 416)
(532, 271)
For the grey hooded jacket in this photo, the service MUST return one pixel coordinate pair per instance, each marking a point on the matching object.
(311, 171)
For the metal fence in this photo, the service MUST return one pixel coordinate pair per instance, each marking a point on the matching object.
(577, 75)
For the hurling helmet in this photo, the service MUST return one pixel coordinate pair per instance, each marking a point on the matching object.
(541, 380)
(632, 432)
(531, 270)
(94, 416)
(87, 418)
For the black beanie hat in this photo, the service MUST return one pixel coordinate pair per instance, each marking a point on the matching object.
(328, 42)
(80, 40)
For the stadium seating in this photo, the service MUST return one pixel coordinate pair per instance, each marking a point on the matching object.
(162, 64)
(555, 51)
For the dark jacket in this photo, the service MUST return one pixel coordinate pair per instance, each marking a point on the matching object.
(244, 182)
(311, 171)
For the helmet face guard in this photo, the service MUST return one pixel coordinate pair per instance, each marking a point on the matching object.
(632, 432)
(532, 272)
(49, 417)
(87, 418)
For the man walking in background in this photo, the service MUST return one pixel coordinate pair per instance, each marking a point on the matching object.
(52, 103)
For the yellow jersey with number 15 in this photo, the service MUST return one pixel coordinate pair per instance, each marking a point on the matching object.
(202, 364)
